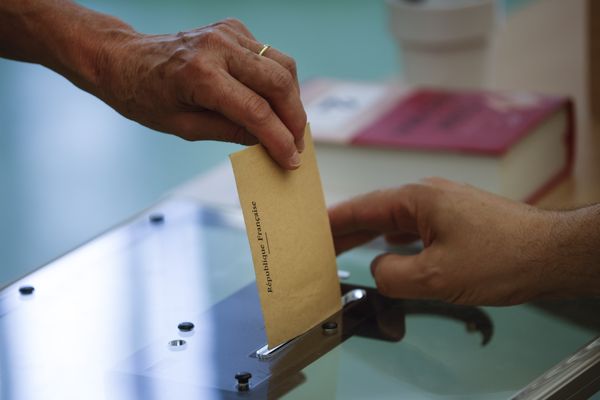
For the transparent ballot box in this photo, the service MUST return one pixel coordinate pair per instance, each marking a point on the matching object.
(165, 306)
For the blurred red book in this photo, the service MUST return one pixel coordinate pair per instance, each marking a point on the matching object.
(370, 136)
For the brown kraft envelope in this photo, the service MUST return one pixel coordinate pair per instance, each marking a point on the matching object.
(290, 239)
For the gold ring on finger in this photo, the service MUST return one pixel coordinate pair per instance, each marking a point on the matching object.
(264, 48)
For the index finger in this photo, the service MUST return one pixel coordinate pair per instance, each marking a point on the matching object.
(274, 83)
(242, 105)
(269, 73)
(383, 211)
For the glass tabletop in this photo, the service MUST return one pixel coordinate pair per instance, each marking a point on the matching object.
(103, 321)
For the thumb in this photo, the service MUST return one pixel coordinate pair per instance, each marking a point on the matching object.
(401, 276)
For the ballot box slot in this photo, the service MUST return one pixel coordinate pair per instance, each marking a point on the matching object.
(348, 298)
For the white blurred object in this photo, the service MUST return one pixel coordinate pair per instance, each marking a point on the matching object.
(444, 42)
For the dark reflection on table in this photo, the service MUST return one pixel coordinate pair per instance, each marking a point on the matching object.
(385, 317)
(375, 317)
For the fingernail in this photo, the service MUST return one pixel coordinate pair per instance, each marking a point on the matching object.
(300, 145)
(295, 160)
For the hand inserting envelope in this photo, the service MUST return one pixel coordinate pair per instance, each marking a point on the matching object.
(290, 239)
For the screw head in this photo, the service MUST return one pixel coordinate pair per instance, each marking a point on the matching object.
(177, 344)
(156, 218)
(329, 328)
(243, 377)
(185, 326)
(26, 290)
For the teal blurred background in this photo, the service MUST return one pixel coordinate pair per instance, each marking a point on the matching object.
(71, 167)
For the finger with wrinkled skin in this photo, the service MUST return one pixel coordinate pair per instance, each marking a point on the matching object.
(248, 109)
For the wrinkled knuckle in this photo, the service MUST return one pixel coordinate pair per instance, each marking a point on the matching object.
(290, 64)
(212, 38)
(282, 81)
(234, 23)
(432, 279)
(258, 110)
(225, 28)
(241, 136)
